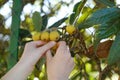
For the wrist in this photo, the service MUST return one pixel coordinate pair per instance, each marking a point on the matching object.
(25, 65)
(20, 69)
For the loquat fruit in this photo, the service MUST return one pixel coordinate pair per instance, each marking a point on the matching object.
(36, 36)
(54, 35)
(45, 36)
(70, 29)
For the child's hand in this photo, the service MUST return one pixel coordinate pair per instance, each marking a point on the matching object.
(32, 53)
(59, 66)
(34, 50)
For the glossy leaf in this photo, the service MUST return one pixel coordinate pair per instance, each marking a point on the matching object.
(107, 2)
(85, 9)
(100, 17)
(44, 22)
(37, 21)
(84, 15)
(106, 30)
(75, 75)
(72, 18)
(58, 23)
(76, 6)
(76, 10)
(114, 55)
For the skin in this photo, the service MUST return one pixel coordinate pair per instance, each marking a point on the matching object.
(60, 65)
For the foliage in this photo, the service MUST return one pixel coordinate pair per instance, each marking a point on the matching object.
(37, 21)
(89, 52)
(114, 56)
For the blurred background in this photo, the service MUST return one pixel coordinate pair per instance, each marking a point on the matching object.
(55, 10)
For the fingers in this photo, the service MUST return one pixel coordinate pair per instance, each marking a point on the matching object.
(48, 55)
(68, 52)
(61, 48)
(36, 43)
(39, 44)
(46, 47)
(70, 64)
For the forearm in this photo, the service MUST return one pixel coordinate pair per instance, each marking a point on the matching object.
(19, 72)
(31, 54)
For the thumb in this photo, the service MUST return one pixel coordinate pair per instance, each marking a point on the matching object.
(48, 55)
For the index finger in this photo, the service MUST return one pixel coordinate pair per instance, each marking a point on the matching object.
(61, 48)
(46, 47)
(35, 43)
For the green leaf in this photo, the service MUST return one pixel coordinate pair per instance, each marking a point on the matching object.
(105, 31)
(37, 21)
(72, 18)
(24, 33)
(58, 23)
(84, 15)
(100, 17)
(107, 2)
(76, 10)
(108, 30)
(75, 75)
(44, 22)
(114, 55)
(85, 9)
(76, 6)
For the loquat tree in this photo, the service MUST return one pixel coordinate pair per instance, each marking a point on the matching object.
(92, 33)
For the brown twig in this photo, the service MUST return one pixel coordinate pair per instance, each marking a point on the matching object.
(103, 73)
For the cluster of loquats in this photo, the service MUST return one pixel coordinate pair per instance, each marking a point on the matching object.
(52, 35)
(46, 36)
